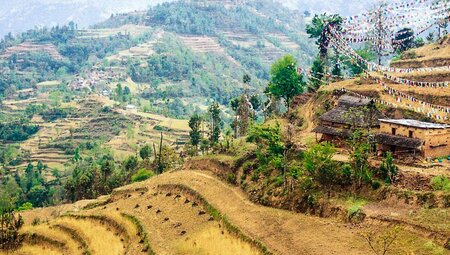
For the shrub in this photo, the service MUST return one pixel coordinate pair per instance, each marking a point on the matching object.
(440, 182)
(388, 169)
(142, 175)
(231, 178)
(247, 167)
(376, 185)
(36, 221)
(25, 207)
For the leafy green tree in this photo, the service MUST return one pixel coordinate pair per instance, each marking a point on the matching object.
(195, 134)
(255, 100)
(317, 74)
(244, 116)
(119, 92)
(142, 175)
(318, 162)
(145, 152)
(215, 124)
(357, 68)
(130, 163)
(360, 150)
(40, 166)
(107, 167)
(38, 195)
(270, 144)
(388, 169)
(285, 81)
(404, 39)
(317, 29)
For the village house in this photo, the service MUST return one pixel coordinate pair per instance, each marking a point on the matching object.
(413, 137)
(350, 113)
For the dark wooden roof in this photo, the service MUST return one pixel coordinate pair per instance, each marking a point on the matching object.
(350, 101)
(352, 110)
(399, 141)
(344, 133)
(352, 115)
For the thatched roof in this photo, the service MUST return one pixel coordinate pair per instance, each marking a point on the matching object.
(399, 141)
(344, 133)
(353, 111)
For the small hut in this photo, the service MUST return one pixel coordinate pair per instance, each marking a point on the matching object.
(350, 113)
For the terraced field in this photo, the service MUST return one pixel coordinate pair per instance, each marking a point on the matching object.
(141, 51)
(132, 30)
(27, 47)
(158, 220)
(147, 129)
(267, 51)
(188, 212)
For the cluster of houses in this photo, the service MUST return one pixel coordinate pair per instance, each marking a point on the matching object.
(95, 77)
(402, 137)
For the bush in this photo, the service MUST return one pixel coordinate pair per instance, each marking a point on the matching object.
(36, 221)
(231, 178)
(25, 207)
(376, 185)
(142, 175)
(388, 170)
(440, 182)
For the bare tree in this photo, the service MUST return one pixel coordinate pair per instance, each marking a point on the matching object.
(379, 241)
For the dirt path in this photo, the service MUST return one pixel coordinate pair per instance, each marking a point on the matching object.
(282, 231)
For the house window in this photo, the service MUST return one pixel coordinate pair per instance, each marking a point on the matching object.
(394, 131)
(411, 134)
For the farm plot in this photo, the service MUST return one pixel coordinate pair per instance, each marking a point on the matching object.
(132, 30)
(141, 51)
(29, 47)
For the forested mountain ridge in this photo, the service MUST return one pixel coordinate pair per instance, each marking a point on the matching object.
(243, 37)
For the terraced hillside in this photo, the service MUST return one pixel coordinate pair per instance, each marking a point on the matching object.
(248, 36)
(27, 47)
(132, 30)
(188, 212)
(124, 132)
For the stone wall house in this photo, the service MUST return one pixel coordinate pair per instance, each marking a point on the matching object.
(413, 137)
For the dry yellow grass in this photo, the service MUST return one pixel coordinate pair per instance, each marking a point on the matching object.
(54, 234)
(33, 250)
(99, 239)
(213, 240)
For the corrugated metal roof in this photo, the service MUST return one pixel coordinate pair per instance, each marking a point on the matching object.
(415, 123)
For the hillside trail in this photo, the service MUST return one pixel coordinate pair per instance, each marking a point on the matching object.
(282, 231)
(306, 133)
